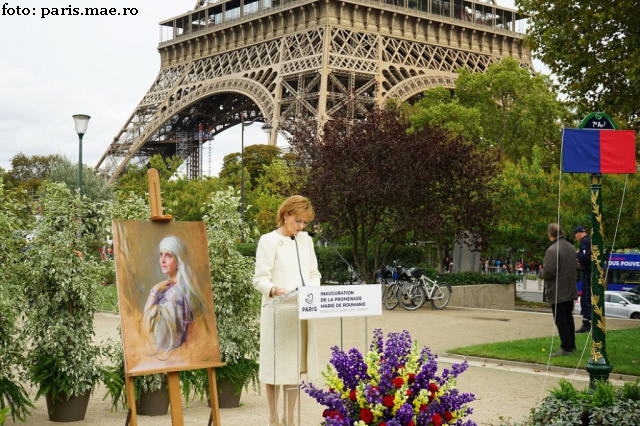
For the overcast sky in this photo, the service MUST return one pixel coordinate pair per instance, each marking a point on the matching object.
(54, 67)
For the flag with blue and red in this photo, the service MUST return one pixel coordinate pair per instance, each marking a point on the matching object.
(598, 151)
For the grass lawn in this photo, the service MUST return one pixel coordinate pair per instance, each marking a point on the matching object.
(622, 348)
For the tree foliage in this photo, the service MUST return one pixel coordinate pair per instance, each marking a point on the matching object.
(377, 182)
(237, 304)
(280, 180)
(593, 49)
(13, 394)
(135, 179)
(256, 158)
(62, 283)
(528, 197)
(94, 187)
(505, 108)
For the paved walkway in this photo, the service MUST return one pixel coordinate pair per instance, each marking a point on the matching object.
(507, 390)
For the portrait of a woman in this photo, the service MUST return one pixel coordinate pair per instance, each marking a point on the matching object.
(285, 260)
(172, 304)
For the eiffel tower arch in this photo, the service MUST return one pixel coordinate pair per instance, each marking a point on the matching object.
(275, 60)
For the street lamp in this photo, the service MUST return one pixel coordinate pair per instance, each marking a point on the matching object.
(81, 121)
(266, 127)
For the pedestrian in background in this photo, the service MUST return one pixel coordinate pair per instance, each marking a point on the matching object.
(584, 260)
(559, 274)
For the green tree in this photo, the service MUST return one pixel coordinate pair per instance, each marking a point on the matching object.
(526, 201)
(185, 198)
(62, 284)
(256, 157)
(593, 49)
(13, 394)
(237, 304)
(28, 172)
(94, 187)
(505, 108)
(280, 180)
(135, 179)
(438, 107)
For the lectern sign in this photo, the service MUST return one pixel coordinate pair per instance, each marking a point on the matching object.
(331, 301)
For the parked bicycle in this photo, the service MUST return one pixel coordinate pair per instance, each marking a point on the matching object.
(398, 279)
(420, 288)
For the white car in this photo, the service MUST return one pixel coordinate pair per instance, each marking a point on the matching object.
(618, 304)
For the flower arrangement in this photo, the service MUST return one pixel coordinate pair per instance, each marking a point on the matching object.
(393, 385)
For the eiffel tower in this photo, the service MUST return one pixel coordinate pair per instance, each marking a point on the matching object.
(277, 60)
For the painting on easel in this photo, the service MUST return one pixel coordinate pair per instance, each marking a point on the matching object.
(164, 293)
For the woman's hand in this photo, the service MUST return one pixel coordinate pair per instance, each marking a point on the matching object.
(163, 286)
(278, 291)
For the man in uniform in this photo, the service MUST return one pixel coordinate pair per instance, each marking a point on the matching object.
(584, 260)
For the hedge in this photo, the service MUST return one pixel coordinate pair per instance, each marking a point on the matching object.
(334, 270)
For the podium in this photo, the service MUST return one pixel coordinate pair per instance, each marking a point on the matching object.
(302, 315)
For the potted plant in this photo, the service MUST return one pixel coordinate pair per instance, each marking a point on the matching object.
(62, 284)
(237, 304)
(150, 391)
(14, 399)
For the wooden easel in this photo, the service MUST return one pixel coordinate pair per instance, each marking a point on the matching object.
(173, 379)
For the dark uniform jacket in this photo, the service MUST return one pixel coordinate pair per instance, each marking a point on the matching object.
(560, 262)
(584, 255)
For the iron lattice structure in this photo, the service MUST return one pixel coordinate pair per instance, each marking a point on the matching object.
(276, 60)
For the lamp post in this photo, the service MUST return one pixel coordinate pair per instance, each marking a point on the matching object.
(266, 127)
(81, 122)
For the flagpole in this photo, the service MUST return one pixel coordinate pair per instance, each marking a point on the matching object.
(598, 365)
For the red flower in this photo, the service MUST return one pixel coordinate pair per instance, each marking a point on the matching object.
(352, 395)
(436, 420)
(387, 401)
(422, 407)
(412, 378)
(398, 382)
(325, 413)
(400, 367)
(448, 416)
(366, 415)
(411, 423)
(335, 415)
(383, 424)
(431, 396)
(433, 387)
(331, 390)
(409, 392)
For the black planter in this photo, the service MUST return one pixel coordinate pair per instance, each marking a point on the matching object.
(68, 410)
(227, 397)
(154, 403)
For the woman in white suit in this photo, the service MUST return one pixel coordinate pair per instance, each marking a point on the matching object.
(285, 260)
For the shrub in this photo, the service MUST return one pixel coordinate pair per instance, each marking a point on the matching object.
(471, 278)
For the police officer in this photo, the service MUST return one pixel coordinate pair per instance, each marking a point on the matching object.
(584, 260)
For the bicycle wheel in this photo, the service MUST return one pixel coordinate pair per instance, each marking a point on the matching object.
(412, 296)
(440, 296)
(391, 296)
(383, 283)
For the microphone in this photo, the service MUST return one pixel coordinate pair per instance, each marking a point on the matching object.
(293, 237)
(350, 268)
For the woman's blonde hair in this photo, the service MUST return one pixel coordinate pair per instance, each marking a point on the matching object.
(296, 205)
